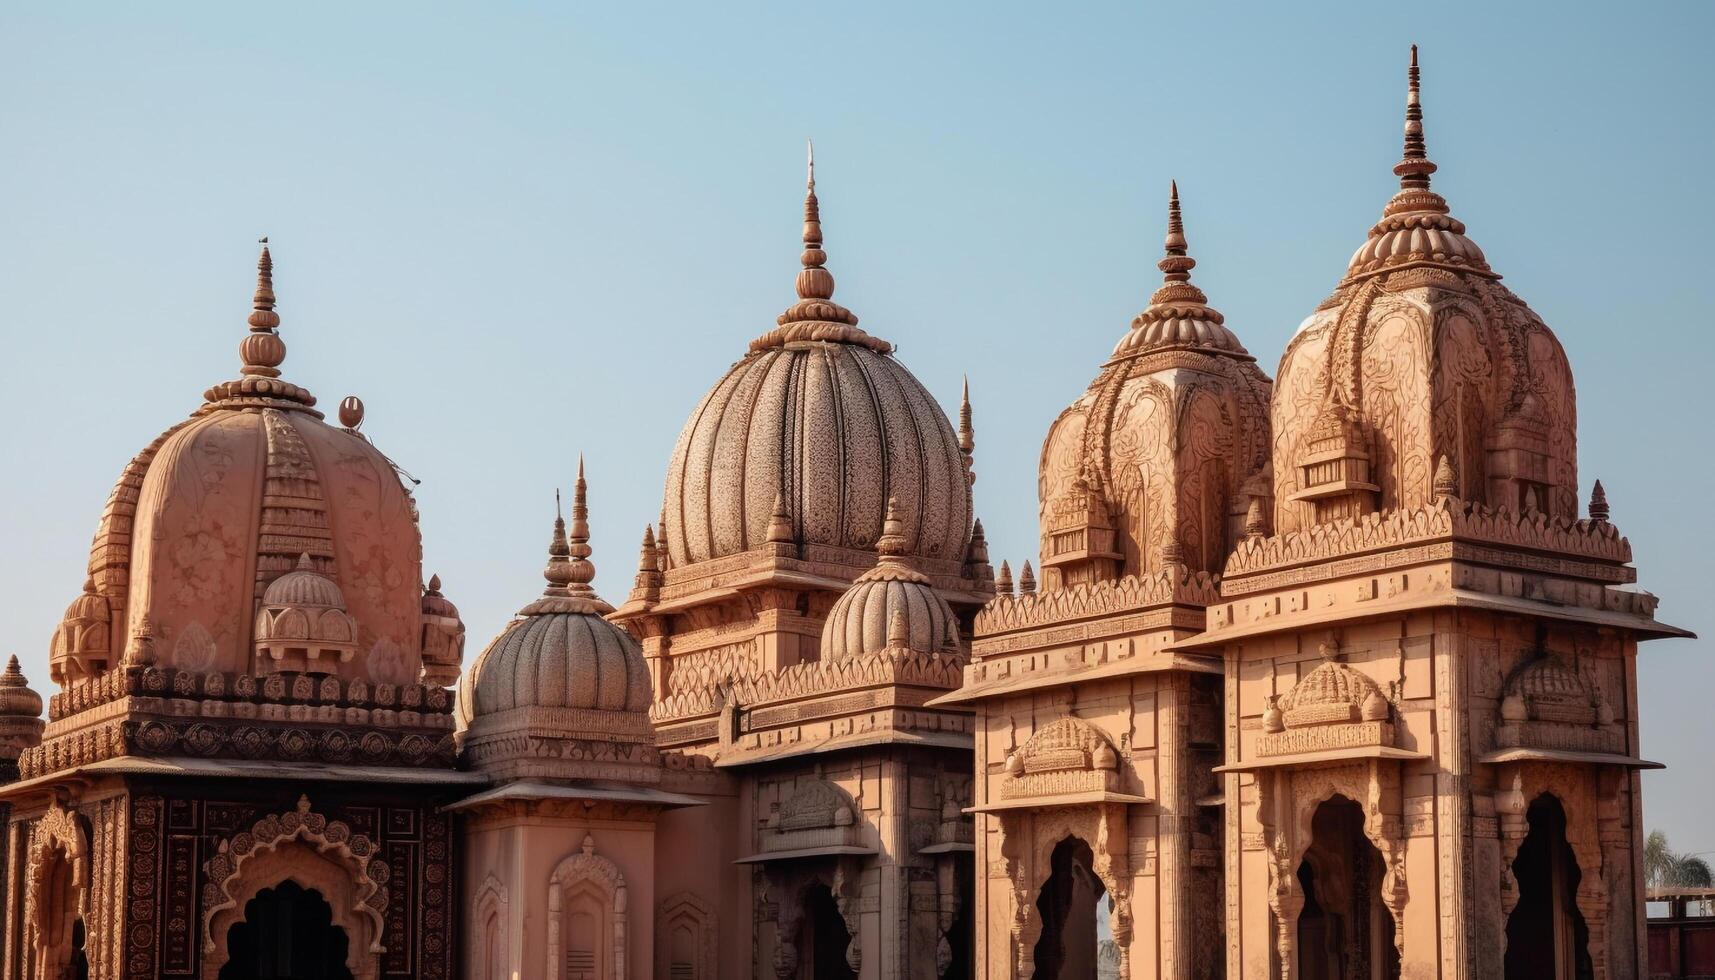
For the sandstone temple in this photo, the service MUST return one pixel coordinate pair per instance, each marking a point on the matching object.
(1329, 675)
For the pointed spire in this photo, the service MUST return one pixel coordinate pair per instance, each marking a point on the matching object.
(434, 587)
(977, 553)
(1026, 580)
(1176, 263)
(582, 570)
(815, 282)
(1414, 167)
(559, 570)
(891, 544)
(661, 541)
(647, 584)
(1003, 580)
(967, 435)
(1598, 503)
(14, 676)
(262, 351)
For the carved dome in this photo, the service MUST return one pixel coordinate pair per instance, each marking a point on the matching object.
(204, 520)
(303, 586)
(559, 673)
(559, 652)
(303, 624)
(1547, 688)
(820, 415)
(1153, 465)
(890, 606)
(83, 644)
(1421, 353)
(1333, 693)
(20, 717)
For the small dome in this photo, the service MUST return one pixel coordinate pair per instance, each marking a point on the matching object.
(821, 416)
(891, 606)
(303, 586)
(20, 719)
(1333, 693)
(559, 652)
(83, 643)
(443, 636)
(1547, 688)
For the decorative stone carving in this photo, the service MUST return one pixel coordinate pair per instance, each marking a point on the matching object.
(685, 916)
(303, 623)
(490, 947)
(82, 646)
(1549, 704)
(1333, 707)
(817, 814)
(57, 885)
(300, 844)
(1068, 755)
(443, 637)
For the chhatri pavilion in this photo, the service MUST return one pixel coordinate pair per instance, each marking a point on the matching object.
(1329, 675)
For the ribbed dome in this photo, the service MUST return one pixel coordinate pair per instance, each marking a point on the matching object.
(559, 652)
(303, 586)
(1333, 693)
(822, 416)
(20, 719)
(17, 700)
(891, 605)
(84, 642)
(203, 522)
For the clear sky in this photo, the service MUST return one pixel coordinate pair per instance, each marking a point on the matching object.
(519, 232)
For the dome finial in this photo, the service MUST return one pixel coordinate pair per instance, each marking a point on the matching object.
(262, 351)
(1176, 264)
(815, 282)
(582, 570)
(891, 544)
(559, 570)
(1414, 167)
(967, 435)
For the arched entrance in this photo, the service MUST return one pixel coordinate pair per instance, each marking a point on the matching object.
(822, 937)
(1344, 930)
(1547, 938)
(287, 933)
(1075, 911)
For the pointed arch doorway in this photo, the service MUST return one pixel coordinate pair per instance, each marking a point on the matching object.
(287, 933)
(1547, 937)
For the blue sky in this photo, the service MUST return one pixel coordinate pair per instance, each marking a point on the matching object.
(519, 232)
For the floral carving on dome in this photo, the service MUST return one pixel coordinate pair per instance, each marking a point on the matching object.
(1548, 703)
(1067, 755)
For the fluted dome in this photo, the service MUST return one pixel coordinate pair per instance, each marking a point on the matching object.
(1547, 688)
(1333, 693)
(558, 672)
(822, 416)
(218, 510)
(303, 586)
(1420, 354)
(84, 642)
(1154, 465)
(890, 606)
(20, 719)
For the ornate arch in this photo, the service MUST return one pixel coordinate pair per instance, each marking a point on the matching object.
(312, 850)
(55, 832)
(491, 900)
(1101, 827)
(590, 869)
(697, 915)
(791, 883)
(1295, 796)
(1574, 788)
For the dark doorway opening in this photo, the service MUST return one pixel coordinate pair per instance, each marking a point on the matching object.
(823, 936)
(1546, 936)
(287, 934)
(961, 965)
(1074, 906)
(1344, 930)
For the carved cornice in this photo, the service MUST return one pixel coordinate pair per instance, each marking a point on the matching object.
(880, 668)
(1087, 600)
(286, 688)
(1598, 550)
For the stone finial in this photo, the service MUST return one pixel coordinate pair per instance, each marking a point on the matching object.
(1256, 524)
(1414, 167)
(588, 846)
(661, 541)
(559, 570)
(815, 282)
(262, 351)
(1003, 580)
(780, 521)
(1598, 503)
(891, 544)
(647, 585)
(1026, 580)
(978, 552)
(967, 435)
(1446, 481)
(434, 587)
(582, 570)
(1176, 263)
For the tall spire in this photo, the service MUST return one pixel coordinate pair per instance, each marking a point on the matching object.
(559, 570)
(262, 350)
(1176, 264)
(967, 435)
(582, 570)
(1415, 166)
(815, 282)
